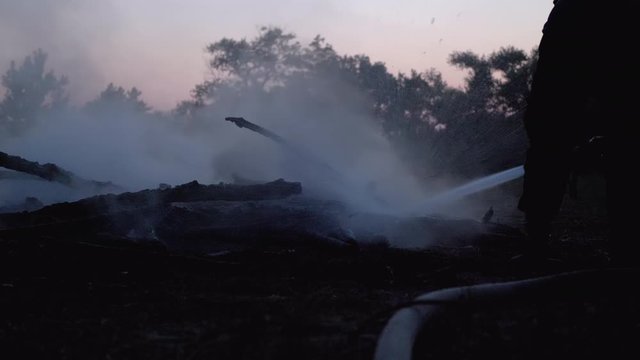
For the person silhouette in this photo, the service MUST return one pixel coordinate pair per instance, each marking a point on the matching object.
(585, 85)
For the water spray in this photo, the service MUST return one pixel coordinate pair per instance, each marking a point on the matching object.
(472, 187)
(439, 200)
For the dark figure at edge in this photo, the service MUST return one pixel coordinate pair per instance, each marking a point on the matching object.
(585, 85)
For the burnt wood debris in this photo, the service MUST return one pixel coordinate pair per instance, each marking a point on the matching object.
(52, 172)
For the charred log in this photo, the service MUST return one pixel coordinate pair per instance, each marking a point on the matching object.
(147, 201)
(190, 218)
(242, 123)
(53, 173)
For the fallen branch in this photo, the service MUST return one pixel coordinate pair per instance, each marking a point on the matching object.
(147, 200)
(53, 173)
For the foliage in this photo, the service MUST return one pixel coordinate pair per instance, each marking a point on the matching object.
(498, 82)
(436, 127)
(29, 91)
(115, 99)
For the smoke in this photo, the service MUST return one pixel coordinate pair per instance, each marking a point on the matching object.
(76, 33)
(335, 148)
(131, 151)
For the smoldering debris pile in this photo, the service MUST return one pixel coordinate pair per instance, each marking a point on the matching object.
(205, 219)
(158, 215)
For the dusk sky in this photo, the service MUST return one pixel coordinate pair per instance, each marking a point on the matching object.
(158, 46)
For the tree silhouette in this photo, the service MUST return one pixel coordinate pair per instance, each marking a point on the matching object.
(115, 99)
(437, 128)
(29, 90)
(480, 85)
(261, 63)
(499, 82)
(516, 71)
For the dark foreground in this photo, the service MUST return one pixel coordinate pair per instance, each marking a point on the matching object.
(97, 298)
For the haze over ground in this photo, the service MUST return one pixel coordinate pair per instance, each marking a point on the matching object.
(158, 46)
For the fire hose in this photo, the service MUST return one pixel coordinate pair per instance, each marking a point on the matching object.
(397, 339)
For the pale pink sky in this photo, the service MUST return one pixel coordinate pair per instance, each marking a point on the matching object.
(158, 45)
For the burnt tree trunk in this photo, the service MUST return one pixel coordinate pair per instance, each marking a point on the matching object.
(51, 172)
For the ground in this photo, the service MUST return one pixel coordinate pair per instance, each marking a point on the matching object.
(86, 299)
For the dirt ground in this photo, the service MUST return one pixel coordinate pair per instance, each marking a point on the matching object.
(88, 299)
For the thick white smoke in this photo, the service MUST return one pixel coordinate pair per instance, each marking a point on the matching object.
(336, 150)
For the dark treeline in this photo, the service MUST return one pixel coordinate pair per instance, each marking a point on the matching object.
(436, 128)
